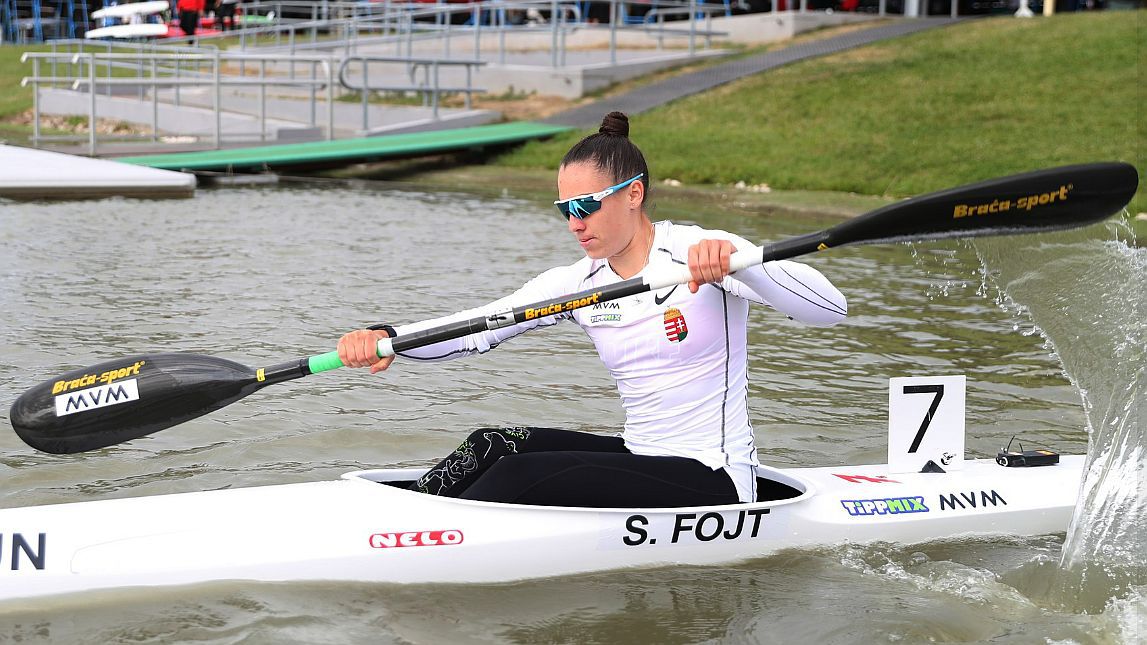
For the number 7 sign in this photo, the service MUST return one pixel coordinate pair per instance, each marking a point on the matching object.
(925, 422)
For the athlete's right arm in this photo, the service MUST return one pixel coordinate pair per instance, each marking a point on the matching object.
(551, 284)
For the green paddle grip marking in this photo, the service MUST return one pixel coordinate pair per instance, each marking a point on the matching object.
(324, 362)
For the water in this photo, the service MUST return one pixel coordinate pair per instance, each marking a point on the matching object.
(266, 275)
(1096, 322)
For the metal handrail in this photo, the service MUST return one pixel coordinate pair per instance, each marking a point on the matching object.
(230, 56)
(403, 23)
(165, 72)
(432, 87)
(217, 81)
(108, 45)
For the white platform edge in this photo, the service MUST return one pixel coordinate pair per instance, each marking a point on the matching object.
(27, 173)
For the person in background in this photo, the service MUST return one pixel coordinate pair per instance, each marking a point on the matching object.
(225, 14)
(189, 13)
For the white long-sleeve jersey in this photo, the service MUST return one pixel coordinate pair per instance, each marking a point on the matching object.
(679, 359)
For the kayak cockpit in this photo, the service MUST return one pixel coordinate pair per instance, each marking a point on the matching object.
(772, 485)
(771, 490)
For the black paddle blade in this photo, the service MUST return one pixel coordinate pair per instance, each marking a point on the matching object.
(102, 405)
(1045, 200)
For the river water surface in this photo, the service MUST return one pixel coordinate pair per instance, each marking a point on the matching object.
(264, 275)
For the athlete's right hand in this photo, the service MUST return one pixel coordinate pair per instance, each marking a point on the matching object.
(359, 348)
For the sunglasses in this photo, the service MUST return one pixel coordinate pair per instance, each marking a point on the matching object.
(583, 206)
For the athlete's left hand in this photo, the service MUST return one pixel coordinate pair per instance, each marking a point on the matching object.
(709, 262)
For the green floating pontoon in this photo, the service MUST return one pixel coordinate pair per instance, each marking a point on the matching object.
(347, 151)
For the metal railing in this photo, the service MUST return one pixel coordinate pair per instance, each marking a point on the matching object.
(63, 49)
(403, 25)
(431, 85)
(321, 79)
(189, 72)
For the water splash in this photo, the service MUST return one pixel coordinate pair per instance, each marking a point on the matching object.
(1084, 292)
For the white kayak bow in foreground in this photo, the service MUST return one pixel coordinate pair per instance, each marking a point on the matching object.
(359, 528)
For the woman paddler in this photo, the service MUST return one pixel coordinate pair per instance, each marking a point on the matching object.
(678, 356)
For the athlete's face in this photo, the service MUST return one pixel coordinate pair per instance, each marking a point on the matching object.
(610, 230)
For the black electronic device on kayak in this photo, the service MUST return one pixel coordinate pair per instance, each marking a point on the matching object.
(1024, 458)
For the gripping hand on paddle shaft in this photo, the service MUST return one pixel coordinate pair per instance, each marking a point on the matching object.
(359, 348)
(709, 262)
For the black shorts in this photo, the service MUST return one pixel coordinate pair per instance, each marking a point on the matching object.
(551, 467)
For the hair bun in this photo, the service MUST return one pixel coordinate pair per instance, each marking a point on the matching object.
(615, 123)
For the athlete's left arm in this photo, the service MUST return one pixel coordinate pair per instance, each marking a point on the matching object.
(794, 289)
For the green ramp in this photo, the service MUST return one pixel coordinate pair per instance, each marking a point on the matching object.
(350, 151)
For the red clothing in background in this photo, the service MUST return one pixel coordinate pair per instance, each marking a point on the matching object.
(198, 6)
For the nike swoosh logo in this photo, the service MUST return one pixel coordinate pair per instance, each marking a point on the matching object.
(660, 299)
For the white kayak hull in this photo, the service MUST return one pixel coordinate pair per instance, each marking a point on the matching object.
(356, 529)
(131, 9)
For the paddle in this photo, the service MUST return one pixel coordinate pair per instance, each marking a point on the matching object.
(109, 403)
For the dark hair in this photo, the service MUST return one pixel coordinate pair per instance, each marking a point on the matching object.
(611, 151)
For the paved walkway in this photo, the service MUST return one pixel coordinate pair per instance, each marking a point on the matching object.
(650, 96)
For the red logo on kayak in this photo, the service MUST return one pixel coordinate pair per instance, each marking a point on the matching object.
(675, 329)
(866, 479)
(415, 538)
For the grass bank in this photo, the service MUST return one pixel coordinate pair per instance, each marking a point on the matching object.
(925, 112)
(14, 99)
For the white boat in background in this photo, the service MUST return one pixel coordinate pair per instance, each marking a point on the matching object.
(130, 9)
(359, 528)
(139, 30)
(130, 20)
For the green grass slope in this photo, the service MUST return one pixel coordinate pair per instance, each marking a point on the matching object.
(925, 112)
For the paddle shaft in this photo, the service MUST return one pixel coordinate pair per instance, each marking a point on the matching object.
(657, 278)
(1044, 200)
